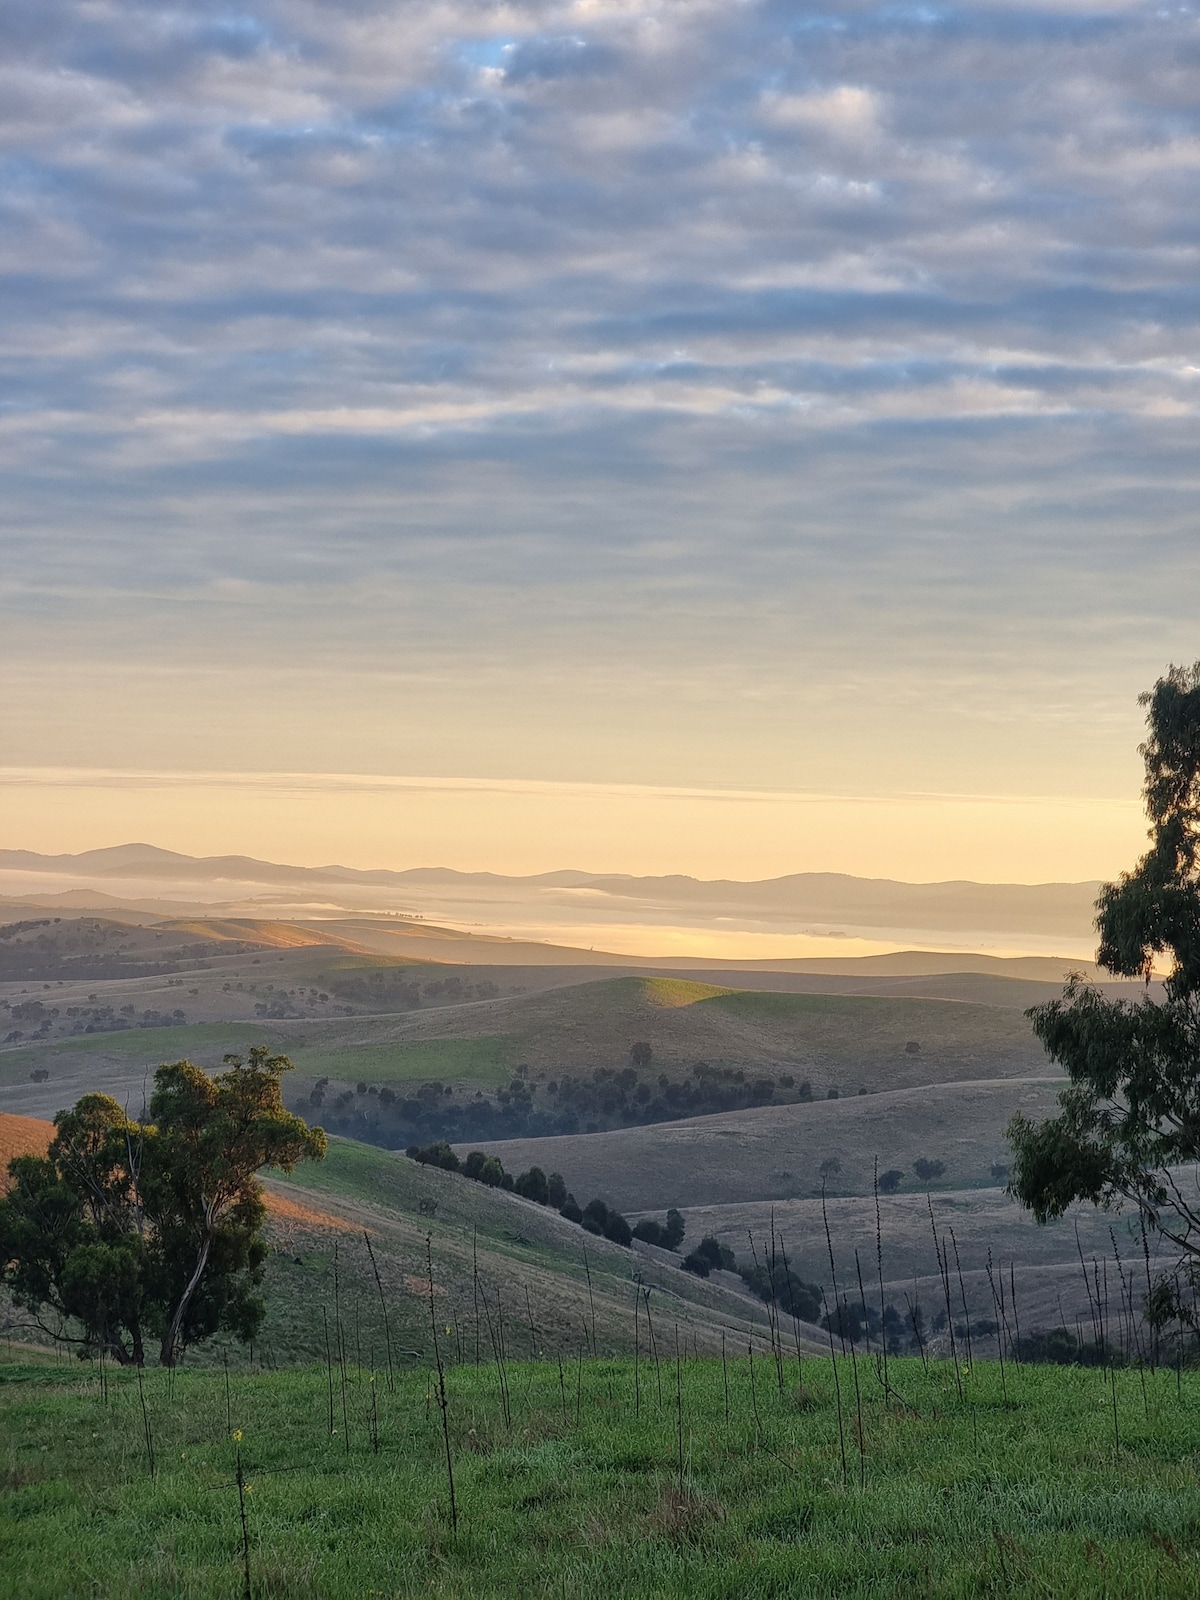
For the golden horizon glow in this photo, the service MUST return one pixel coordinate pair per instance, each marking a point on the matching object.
(519, 827)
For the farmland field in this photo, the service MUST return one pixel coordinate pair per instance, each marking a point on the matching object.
(681, 1477)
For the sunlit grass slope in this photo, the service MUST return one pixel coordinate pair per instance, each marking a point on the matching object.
(487, 1062)
(603, 1480)
(843, 1041)
(495, 1255)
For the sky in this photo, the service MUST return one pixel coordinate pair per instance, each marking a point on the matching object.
(635, 401)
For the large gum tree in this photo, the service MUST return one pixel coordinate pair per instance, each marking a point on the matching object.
(126, 1229)
(1128, 1129)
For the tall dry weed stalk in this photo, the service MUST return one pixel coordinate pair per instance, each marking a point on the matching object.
(387, 1330)
(441, 1388)
(149, 1435)
(879, 1270)
(328, 1368)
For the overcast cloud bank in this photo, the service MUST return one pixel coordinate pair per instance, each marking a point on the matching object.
(821, 368)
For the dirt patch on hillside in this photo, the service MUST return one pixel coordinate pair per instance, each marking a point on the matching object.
(21, 1136)
(282, 1209)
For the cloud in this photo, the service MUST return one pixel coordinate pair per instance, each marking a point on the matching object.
(431, 326)
(845, 112)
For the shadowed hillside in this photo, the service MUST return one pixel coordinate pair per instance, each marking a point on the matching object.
(496, 1256)
(777, 1152)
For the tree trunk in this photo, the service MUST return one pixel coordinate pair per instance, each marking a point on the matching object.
(168, 1354)
(113, 1347)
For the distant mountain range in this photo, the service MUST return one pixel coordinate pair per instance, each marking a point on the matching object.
(1044, 909)
(828, 900)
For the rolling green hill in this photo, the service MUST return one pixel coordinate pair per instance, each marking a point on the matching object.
(837, 1040)
(553, 1283)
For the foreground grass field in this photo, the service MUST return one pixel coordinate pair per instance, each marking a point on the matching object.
(681, 1478)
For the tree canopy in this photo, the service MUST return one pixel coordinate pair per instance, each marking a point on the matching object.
(1129, 1120)
(126, 1229)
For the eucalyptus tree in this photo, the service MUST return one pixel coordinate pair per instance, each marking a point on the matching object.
(128, 1228)
(1127, 1131)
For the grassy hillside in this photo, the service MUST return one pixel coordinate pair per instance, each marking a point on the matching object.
(486, 1062)
(121, 1064)
(497, 1258)
(983, 1221)
(776, 1152)
(848, 1042)
(603, 1481)
(514, 1246)
(842, 1043)
(702, 1050)
(530, 1263)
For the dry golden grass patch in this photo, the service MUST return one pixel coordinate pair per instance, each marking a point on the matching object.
(21, 1136)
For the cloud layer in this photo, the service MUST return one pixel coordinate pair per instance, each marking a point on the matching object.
(830, 375)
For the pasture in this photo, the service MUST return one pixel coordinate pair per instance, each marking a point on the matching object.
(676, 1476)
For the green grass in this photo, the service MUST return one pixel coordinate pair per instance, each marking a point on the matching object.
(152, 1044)
(833, 1040)
(580, 1497)
(669, 992)
(487, 1061)
(524, 1253)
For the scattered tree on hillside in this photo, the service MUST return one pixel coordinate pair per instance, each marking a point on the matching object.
(774, 1280)
(1130, 1118)
(600, 1219)
(666, 1235)
(641, 1055)
(532, 1185)
(851, 1319)
(890, 1181)
(709, 1256)
(928, 1170)
(127, 1228)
